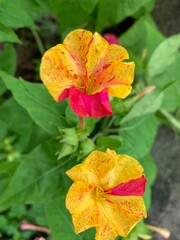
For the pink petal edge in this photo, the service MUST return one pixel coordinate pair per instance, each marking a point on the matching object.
(96, 105)
(135, 187)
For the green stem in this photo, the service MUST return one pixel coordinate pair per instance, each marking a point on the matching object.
(38, 41)
(82, 123)
(170, 119)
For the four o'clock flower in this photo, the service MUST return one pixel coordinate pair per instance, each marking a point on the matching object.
(87, 70)
(106, 194)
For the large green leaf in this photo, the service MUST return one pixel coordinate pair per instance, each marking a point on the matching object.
(137, 135)
(138, 38)
(146, 105)
(13, 16)
(163, 56)
(163, 68)
(60, 220)
(18, 122)
(8, 35)
(112, 12)
(150, 168)
(37, 101)
(36, 180)
(8, 59)
(63, 10)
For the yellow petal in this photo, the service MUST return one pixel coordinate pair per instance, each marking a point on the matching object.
(95, 59)
(104, 231)
(125, 169)
(117, 75)
(131, 204)
(95, 168)
(58, 71)
(101, 55)
(114, 53)
(77, 44)
(77, 173)
(119, 220)
(121, 91)
(81, 202)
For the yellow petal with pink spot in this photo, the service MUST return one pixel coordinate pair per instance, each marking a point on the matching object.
(81, 203)
(116, 218)
(77, 44)
(58, 71)
(125, 169)
(117, 75)
(131, 204)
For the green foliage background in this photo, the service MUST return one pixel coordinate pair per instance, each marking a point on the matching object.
(40, 139)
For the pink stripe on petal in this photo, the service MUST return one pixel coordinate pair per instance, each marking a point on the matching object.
(135, 187)
(63, 95)
(96, 105)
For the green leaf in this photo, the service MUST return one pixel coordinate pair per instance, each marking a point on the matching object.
(36, 180)
(141, 34)
(163, 56)
(2, 87)
(147, 196)
(166, 71)
(19, 123)
(8, 60)
(108, 142)
(8, 35)
(63, 10)
(60, 220)
(12, 16)
(112, 12)
(137, 136)
(88, 6)
(146, 105)
(150, 168)
(37, 101)
(3, 129)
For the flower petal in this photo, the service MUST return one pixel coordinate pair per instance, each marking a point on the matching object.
(117, 75)
(115, 53)
(121, 91)
(95, 60)
(77, 44)
(81, 202)
(58, 71)
(95, 167)
(78, 173)
(134, 187)
(96, 105)
(132, 204)
(99, 62)
(119, 220)
(126, 168)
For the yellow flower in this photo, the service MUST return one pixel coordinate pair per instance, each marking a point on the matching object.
(87, 70)
(106, 194)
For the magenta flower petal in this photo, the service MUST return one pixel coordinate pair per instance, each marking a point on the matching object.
(96, 105)
(135, 187)
(111, 38)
